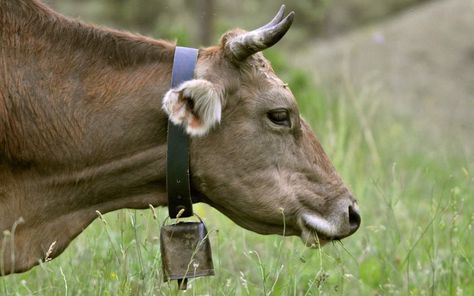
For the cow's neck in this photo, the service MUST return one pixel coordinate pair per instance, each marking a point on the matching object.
(83, 129)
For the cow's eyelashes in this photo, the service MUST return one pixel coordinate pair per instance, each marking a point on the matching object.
(280, 117)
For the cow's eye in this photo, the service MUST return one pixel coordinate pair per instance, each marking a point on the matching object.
(280, 117)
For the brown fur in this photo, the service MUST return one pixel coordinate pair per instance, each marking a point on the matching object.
(82, 130)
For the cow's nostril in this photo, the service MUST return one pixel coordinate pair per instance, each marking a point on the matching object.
(354, 219)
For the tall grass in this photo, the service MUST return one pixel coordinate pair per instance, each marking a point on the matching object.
(416, 236)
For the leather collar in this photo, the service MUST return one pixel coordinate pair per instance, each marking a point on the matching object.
(178, 183)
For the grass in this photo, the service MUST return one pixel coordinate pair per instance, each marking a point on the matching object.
(416, 236)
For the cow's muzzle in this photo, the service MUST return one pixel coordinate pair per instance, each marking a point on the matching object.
(345, 220)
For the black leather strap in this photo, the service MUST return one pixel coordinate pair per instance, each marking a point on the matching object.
(177, 171)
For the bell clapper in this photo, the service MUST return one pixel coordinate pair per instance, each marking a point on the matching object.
(183, 284)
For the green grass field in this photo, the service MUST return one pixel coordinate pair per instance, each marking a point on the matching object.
(416, 237)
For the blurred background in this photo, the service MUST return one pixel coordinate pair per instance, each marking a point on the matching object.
(388, 87)
(204, 20)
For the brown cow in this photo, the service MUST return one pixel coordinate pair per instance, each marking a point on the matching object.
(83, 121)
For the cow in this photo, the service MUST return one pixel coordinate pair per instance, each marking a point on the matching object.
(83, 122)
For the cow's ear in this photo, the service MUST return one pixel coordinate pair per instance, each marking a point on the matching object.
(195, 104)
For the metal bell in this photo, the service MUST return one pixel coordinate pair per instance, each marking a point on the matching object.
(185, 252)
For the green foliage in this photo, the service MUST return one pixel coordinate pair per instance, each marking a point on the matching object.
(138, 14)
(371, 271)
(415, 239)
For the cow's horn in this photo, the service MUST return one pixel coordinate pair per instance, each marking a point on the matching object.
(245, 45)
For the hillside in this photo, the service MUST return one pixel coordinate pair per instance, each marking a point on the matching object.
(419, 64)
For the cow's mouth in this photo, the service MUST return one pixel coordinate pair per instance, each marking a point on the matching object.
(317, 231)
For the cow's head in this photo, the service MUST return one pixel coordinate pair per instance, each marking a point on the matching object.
(252, 154)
